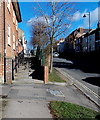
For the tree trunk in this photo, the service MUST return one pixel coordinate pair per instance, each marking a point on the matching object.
(51, 59)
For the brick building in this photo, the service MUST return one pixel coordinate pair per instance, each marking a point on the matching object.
(61, 45)
(9, 18)
(22, 40)
(71, 39)
(89, 42)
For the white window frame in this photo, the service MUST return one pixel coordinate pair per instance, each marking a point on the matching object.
(16, 25)
(16, 43)
(13, 42)
(9, 35)
(0, 3)
(13, 16)
(8, 4)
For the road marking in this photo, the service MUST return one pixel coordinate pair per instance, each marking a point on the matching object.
(74, 80)
(96, 95)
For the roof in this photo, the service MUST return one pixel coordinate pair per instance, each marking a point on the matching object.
(17, 10)
(90, 32)
(78, 35)
(76, 30)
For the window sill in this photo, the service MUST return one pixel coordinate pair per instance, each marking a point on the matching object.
(9, 45)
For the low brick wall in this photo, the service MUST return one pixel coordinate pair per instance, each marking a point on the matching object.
(46, 73)
(8, 70)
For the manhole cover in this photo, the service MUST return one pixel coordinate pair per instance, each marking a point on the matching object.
(55, 92)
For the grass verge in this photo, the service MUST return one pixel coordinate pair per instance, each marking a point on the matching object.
(69, 110)
(54, 77)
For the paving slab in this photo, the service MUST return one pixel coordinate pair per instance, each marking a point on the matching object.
(26, 109)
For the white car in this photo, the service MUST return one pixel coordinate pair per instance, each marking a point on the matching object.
(55, 54)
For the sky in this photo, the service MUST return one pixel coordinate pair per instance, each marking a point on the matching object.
(27, 13)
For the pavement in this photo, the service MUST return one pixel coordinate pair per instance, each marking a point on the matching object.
(83, 88)
(29, 98)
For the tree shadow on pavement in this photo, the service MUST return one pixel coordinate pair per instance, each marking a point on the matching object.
(93, 80)
(97, 117)
(38, 72)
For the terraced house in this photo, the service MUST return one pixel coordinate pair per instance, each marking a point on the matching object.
(10, 16)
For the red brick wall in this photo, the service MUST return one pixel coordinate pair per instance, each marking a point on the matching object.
(46, 73)
(10, 52)
(1, 43)
(9, 21)
(9, 70)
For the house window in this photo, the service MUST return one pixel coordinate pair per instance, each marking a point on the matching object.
(13, 41)
(0, 3)
(16, 25)
(16, 43)
(86, 40)
(9, 36)
(13, 16)
(8, 4)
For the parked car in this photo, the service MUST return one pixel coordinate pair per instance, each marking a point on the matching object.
(55, 54)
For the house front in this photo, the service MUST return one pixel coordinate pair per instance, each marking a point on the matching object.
(10, 16)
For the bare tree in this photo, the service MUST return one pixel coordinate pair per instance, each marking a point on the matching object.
(57, 18)
(39, 34)
(40, 39)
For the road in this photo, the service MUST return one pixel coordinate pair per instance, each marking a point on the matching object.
(88, 79)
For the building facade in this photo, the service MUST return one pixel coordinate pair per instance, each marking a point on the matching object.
(81, 41)
(9, 18)
(22, 40)
(60, 45)
(88, 42)
(71, 39)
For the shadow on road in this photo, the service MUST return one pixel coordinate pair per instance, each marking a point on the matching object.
(93, 80)
(85, 67)
(63, 65)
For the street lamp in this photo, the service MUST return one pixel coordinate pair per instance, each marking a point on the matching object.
(89, 18)
(89, 28)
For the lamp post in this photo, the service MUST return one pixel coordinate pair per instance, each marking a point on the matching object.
(89, 18)
(89, 28)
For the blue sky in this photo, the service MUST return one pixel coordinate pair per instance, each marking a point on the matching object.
(27, 13)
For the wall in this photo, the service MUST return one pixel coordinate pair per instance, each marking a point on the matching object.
(11, 52)
(1, 43)
(91, 43)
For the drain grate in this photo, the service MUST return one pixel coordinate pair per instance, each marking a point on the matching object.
(55, 92)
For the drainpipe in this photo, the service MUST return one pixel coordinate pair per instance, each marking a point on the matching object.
(4, 44)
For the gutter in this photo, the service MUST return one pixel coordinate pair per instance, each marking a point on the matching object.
(17, 10)
(4, 44)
